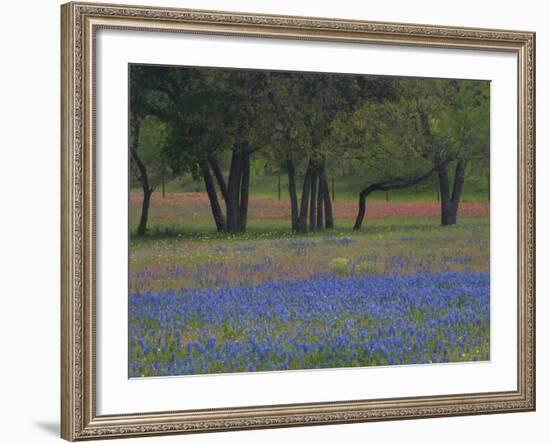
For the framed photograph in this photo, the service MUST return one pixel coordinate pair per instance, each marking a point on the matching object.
(282, 221)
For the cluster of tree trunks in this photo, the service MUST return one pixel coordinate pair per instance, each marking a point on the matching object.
(449, 200)
(315, 210)
(235, 192)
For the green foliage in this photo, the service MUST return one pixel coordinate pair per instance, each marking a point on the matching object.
(280, 115)
(465, 122)
(380, 127)
(431, 121)
(153, 135)
(340, 266)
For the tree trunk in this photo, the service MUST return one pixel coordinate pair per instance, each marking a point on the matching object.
(279, 187)
(142, 228)
(398, 183)
(237, 191)
(313, 201)
(329, 219)
(444, 189)
(460, 172)
(320, 202)
(442, 172)
(363, 206)
(245, 184)
(292, 193)
(143, 178)
(213, 197)
(219, 177)
(162, 185)
(302, 218)
(450, 202)
(233, 192)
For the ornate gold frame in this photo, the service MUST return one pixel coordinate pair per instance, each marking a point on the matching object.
(79, 22)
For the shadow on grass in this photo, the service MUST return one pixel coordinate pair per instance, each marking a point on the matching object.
(370, 228)
(190, 234)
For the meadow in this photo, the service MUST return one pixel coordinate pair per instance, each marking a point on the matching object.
(403, 290)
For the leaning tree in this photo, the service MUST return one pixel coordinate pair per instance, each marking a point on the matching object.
(388, 137)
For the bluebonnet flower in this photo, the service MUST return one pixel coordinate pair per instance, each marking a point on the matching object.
(319, 322)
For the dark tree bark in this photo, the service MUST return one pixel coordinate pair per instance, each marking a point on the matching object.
(237, 192)
(458, 186)
(233, 192)
(292, 192)
(213, 197)
(245, 184)
(450, 201)
(302, 218)
(398, 183)
(329, 219)
(219, 177)
(363, 204)
(320, 203)
(444, 189)
(313, 201)
(142, 228)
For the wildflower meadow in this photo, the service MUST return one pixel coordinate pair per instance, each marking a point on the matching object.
(403, 291)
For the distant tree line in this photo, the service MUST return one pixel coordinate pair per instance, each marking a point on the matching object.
(399, 131)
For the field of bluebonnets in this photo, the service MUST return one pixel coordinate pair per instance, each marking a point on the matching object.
(403, 290)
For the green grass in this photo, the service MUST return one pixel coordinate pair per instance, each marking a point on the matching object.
(273, 229)
(172, 262)
(346, 189)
